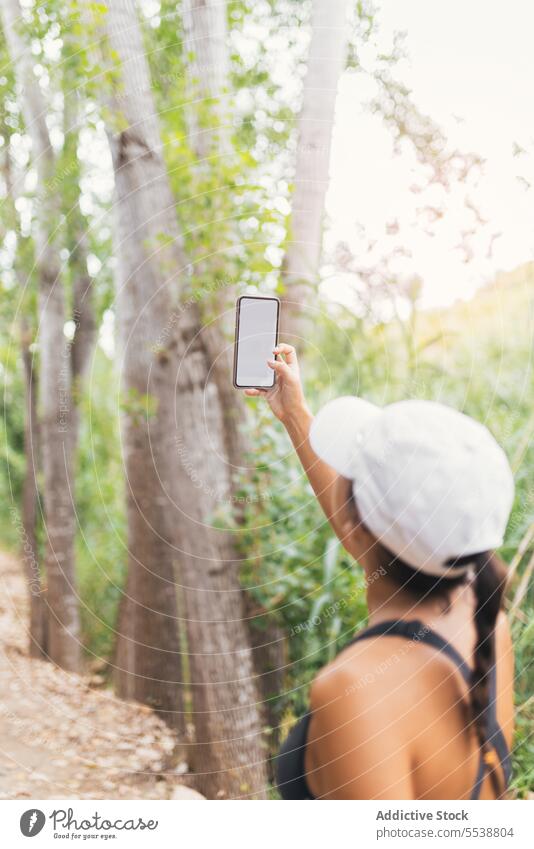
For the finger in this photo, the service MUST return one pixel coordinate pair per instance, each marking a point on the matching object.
(280, 367)
(253, 393)
(288, 351)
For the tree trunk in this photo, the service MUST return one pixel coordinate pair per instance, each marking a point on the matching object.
(150, 645)
(228, 754)
(206, 43)
(326, 61)
(84, 340)
(83, 311)
(29, 548)
(124, 649)
(206, 49)
(56, 444)
(271, 659)
(55, 382)
(207, 74)
(143, 307)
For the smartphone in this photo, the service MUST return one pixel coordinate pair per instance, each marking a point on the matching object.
(256, 334)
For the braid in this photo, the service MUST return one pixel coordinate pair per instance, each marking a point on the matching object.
(488, 588)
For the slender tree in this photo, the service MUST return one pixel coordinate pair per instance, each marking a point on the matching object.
(55, 366)
(26, 331)
(38, 631)
(148, 658)
(208, 122)
(77, 241)
(326, 61)
(208, 114)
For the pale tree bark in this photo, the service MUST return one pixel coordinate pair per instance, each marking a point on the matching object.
(208, 130)
(229, 756)
(206, 45)
(83, 308)
(206, 49)
(172, 365)
(55, 368)
(326, 61)
(147, 654)
(83, 343)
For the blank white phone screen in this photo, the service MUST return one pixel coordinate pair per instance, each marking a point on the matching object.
(256, 340)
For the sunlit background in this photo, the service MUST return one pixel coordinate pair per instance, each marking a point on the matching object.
(470, 67)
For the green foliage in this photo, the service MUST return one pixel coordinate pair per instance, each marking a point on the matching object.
(480, 362)
(12, 422)
(101, 552)
(524, 700)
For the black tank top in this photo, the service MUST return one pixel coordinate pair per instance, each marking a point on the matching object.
(290, 770)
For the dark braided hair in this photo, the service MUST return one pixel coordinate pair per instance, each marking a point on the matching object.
(490, 579)
(488, 586)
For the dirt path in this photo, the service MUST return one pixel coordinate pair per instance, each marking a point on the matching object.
(59, 738)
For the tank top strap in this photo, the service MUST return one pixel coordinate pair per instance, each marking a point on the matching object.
(496, 737)
(417, 632)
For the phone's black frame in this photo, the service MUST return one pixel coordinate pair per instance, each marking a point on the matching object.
(236, 338)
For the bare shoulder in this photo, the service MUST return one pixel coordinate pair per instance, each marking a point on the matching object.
(367, 671)
(357, 740)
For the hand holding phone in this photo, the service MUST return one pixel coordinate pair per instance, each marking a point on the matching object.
(256, 336)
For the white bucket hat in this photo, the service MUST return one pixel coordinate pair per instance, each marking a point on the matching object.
(429, 482)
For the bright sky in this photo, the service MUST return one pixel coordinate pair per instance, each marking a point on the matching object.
(471, 68)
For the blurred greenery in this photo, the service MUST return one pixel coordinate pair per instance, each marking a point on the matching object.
(475, 355)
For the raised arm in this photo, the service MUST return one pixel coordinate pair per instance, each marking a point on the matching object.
(288, 404)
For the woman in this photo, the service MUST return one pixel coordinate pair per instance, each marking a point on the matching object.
(420, 704)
